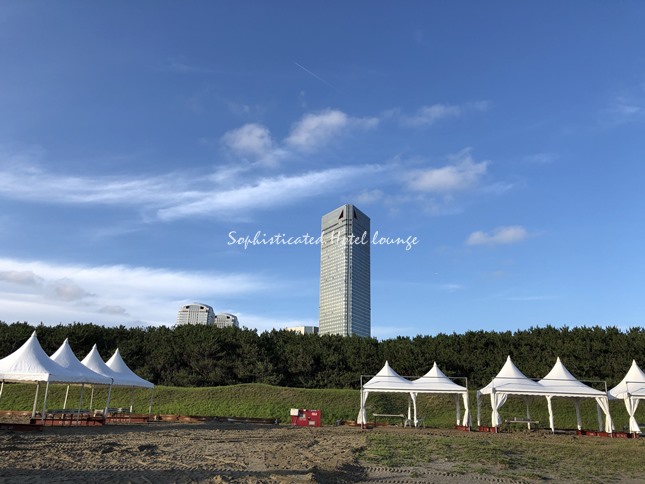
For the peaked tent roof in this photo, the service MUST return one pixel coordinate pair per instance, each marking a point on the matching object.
(66, 358)
(388, 380)
(560, 382)
(633, 384)
(118, 366)
(511, 380)
(31, 363)
(95, 363)
(435, 381)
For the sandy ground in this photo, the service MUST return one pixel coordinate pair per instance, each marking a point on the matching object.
(162, 452)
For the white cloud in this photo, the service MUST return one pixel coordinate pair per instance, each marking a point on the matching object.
(499, 236)
(266, 192)
(428, 115)
(368, 197)
(624, 109)
(113, 294)
(117, 310)
(541, 158)
(27, 278)
(252, 141)
(462, 174)
(66, 289)
(314, 130)
(175, 196)
(29, 182)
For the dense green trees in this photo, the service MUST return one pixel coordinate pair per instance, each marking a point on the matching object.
(194, 355)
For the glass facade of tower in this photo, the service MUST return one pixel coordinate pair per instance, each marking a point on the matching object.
(345, 273)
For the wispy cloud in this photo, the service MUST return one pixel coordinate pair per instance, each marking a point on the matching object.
(499, 236)
(111, 294)
(27, 278)
(428, 115)
(368, 197)
(266, 192)
(461, 174)
(174, 196)
(541, 158)
(29, 182)
(624, 109)
(180, 65)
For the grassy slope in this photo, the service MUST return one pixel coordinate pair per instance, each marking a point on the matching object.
(256, 400)
(540, 456)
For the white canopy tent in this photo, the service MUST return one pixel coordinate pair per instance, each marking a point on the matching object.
(436, 382)
(632, 390)
(559, 382)
(94, 362)
(30, 363)
(385, 381)
(126, 377)
(509, 381)
(65, 357)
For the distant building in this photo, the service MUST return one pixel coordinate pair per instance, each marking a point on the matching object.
(226, 320)
(303, 329)
(345, 273)
(196, 313)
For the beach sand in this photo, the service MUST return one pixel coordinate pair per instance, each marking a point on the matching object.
(161, 452)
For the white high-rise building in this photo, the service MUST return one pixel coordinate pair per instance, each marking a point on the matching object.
(345, 273)
(196, 313)
(226, 320)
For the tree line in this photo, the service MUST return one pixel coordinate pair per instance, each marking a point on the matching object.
(198, 355)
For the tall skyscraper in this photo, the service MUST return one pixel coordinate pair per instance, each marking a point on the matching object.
(345, 273)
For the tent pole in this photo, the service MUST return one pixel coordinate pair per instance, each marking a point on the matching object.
(152, 392)
(414, 405)
(42, 417)
(1, 388)
(33, 412)
(479, 422)
(131, 403)
(551, 421)
(576, 402)
(92, 397)
(66, 395)
(458, 408)
(80, 404)
(601, 426)
(528, 411)
(107, 403)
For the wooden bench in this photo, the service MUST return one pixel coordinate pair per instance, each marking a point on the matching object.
(521, 420)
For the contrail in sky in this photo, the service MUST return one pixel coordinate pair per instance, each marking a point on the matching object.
(316, 76)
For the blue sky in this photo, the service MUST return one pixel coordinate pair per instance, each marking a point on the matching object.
(508, 137)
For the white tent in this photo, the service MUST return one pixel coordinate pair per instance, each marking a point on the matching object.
(30, 363)
(509, 381)
(632, 390)
(127, 377)
(65, 357)
(559, 382)
(436, 382)
(94, 362)
(385, 381)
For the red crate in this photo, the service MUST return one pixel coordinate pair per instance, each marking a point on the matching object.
(302, 417)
